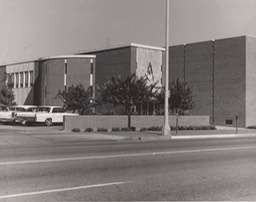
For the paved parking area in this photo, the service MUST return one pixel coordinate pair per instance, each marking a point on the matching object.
(43, 135)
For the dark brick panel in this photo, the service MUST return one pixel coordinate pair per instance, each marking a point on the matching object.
(230, 80)
(176, 63)
(112, 62)
(78, 72)
(198, 74)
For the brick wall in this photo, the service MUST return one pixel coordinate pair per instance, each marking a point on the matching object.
(198, 74)
(216, 70)
(192, 63)
(2, 76)
(230, 80)
(176, 63)
(52, 77)
(78, 71)
(95, 122)
(112, 62)
(250, 81)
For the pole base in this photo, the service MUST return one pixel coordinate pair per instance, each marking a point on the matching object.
(166, 130)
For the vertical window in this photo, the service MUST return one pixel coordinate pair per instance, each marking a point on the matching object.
(21, 79)
(65, 74)
(91, 68)
(17, 80)
(10, 80)
(26, 79)
(31, 76)
(7, 78)
(91, 74)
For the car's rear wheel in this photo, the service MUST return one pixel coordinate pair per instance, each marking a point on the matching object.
(48, 122)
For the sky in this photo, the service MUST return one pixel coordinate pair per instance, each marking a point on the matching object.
(30, 29)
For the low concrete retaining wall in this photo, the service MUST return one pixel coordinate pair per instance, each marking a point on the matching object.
(83, 122)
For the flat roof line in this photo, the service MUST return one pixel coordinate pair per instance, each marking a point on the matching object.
(67, 56)
(121, 46)
(146, 46)
(18, 63)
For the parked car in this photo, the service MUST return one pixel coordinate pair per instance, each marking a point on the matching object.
(51, 114)
(24, 113)
(6, 115)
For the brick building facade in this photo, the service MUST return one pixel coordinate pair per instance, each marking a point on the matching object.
(60, 72)
(222, 73)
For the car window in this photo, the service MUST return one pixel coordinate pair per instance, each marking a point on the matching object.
(31, 109)
(58, 110)
(43, 109)
(12, 108)
(3, 108)
(20, 109)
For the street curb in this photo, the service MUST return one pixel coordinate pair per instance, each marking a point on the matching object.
(190, 137)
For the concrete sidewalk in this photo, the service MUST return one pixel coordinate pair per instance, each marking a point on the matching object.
(19, 135)
(221, 132)
(143, 136)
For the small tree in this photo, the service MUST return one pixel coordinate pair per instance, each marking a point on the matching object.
(127, 93)
(77, 98)
(7, 96)
(181, 97)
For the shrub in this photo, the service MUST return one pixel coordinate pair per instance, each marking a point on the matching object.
(102, 130)
(133, 128)
(115, 129)
(251, 127)
(196, 128)
(75, 130)
(155, 128)
(199, 128)
(173, 128)
(212, 128)
(126, 129)
(88, 130)
(181, 128)
(189, 128)
(143, 129)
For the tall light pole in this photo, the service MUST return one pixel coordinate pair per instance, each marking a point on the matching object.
(166, 130)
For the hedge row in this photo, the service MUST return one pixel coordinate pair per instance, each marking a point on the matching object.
(154, 128)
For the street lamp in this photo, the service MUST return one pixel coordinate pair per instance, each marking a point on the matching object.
(166, 130)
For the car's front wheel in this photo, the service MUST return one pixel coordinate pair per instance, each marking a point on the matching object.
(24, 122)
(48, 122)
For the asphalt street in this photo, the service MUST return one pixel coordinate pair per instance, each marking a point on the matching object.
(197, 170)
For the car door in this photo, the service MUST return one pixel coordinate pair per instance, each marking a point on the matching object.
(57, 115)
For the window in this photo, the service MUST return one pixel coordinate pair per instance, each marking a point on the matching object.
(12, 108)
(31, 109)
(58, 110)
(10, 80)
(3, 108)
(21, 79)
(31, 76)
(91, 68)
(43, 109)
(20, 109)
(17, 80)
(26, 79)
